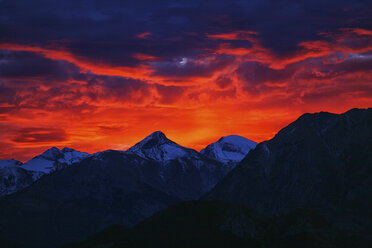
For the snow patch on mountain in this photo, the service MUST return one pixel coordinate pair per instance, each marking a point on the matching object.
(53, 159)
(232, 148)
(15, 176)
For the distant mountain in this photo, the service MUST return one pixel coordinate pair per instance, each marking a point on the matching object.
(54, 159)
(219, 224)
(321, 161)
(107, 188)
(158, 147)
(13, 177)
(229, 149)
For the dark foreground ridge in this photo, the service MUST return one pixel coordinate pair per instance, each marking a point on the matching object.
(219, 224)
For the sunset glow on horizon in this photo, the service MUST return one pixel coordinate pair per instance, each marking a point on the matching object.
(104, 79)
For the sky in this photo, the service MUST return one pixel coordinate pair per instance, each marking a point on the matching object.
(96, 75)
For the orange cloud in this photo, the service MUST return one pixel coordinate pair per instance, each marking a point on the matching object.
(248, 91)
(139, 72)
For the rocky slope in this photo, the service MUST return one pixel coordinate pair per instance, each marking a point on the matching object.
(13, 177)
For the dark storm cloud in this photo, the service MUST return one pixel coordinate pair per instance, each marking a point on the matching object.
(284, 24)
(106, 31)
(26, 65)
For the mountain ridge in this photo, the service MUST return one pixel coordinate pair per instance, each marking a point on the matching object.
(107, 188)
(320, 161)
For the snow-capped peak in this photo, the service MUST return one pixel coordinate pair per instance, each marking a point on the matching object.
(54, 158)
(71, 156)
(158, 147)
(232, 148)
(157, 136)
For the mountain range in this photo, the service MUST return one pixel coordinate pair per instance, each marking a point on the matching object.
(309, 186)
(80, 194)
(15, 175)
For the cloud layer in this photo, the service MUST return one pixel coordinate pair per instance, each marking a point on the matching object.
(101, 75)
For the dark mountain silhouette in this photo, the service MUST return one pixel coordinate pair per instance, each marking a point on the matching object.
(321, 161)
(108, 188)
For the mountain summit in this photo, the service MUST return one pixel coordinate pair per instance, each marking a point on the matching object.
(229, 149)
(54, 159)
(158, 147)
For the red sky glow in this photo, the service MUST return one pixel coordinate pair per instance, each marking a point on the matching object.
(93, 94)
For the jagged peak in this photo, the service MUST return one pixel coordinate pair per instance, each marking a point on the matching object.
(51, 153)
(154, 139)
(158, 147)
(157, 136)
(52, 149)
